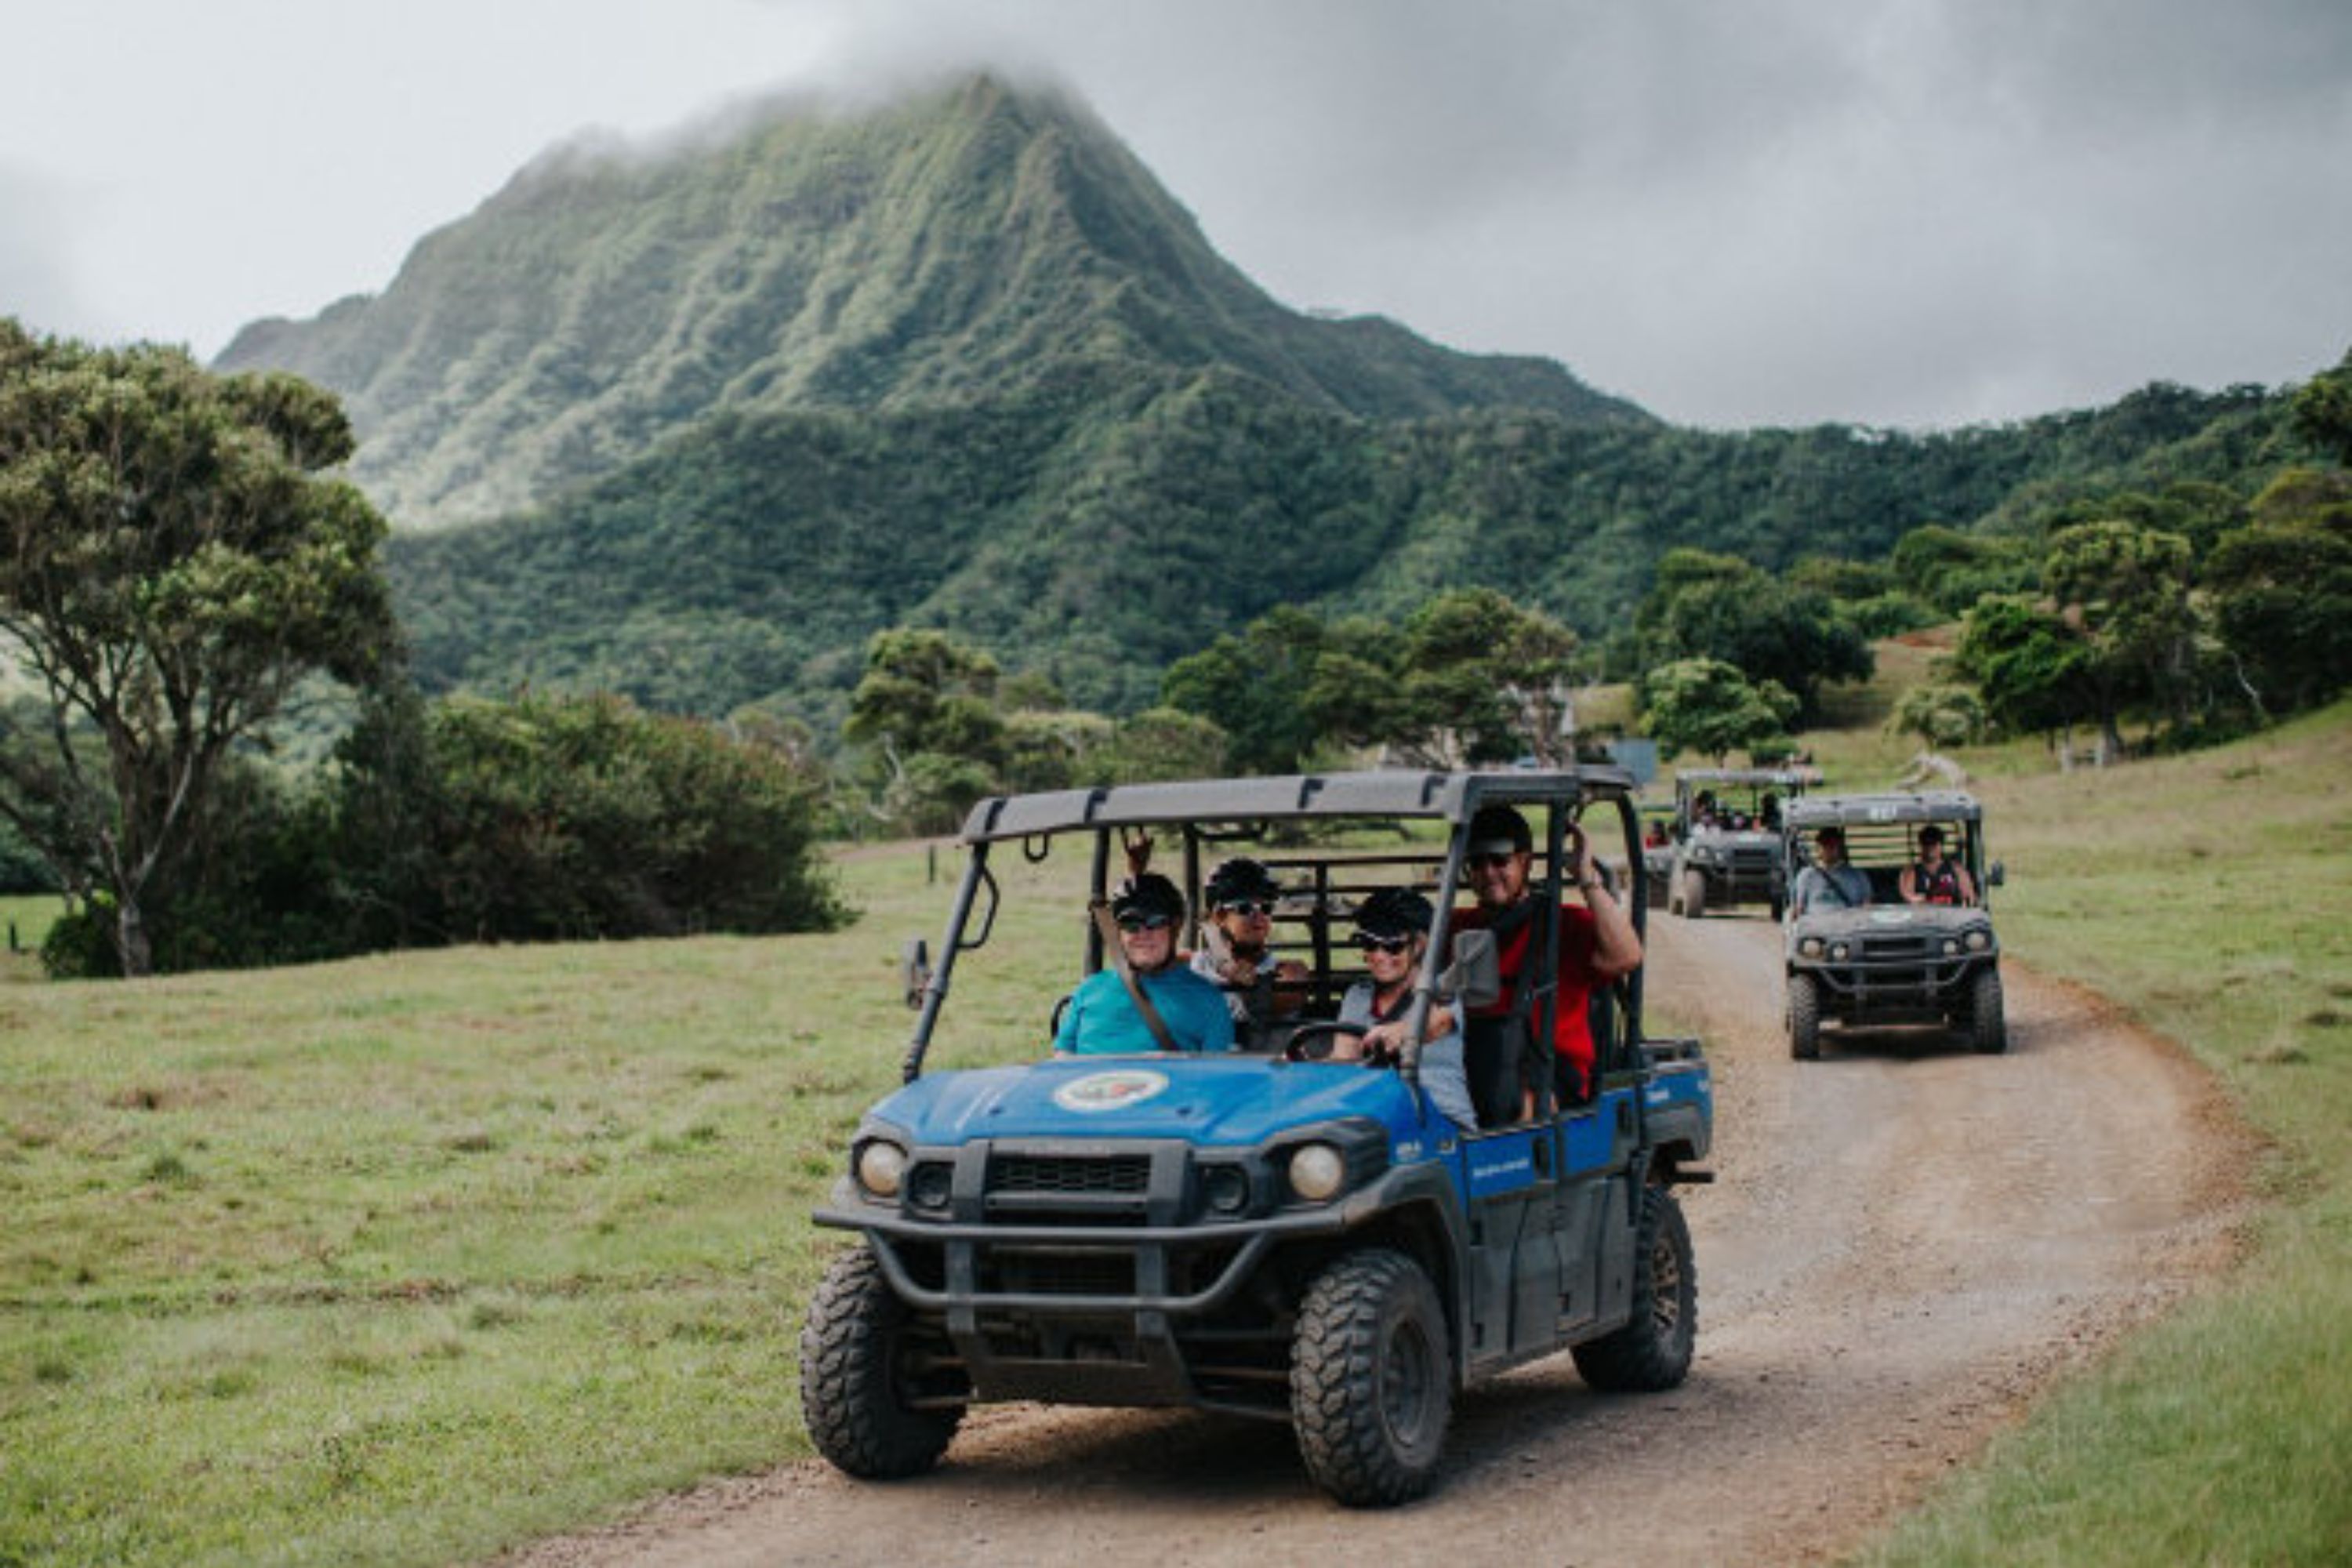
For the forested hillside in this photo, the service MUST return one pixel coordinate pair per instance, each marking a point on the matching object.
(1095, 531)
(959, 246)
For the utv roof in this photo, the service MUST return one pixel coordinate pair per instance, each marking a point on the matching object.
(1932, 805)
(1387, 792)
(1742, 775)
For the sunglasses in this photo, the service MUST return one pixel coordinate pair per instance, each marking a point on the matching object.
(1490, 862)
(1248, 909)
(1383, 943)
(1142, 922)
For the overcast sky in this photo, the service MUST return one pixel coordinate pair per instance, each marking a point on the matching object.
(1914, 213)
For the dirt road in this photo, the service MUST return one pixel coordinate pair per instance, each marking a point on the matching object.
(1907, 1241)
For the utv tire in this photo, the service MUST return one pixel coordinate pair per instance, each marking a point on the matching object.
(1780, 909)
(1371, 1380)
(1693, 899)
(1652, 1351)
(1804, 1017)
(1988, 1028)
(858, 1371)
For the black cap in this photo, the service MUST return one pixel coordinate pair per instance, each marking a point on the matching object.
(1499, 830)
(1149, 894)
(1238, 879)
(1395, 912)
(1931, 834)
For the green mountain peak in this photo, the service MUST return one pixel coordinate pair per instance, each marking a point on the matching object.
(962, 242)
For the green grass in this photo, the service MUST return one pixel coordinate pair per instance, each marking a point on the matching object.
(25, 920)
(405, 1260)
(2208, 895)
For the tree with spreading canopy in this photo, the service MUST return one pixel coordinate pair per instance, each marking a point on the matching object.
(1719, 607)
(177, 559)
(2127, 589)
(2033, 670)
(2282, 591)
(1471, 677)
(1253, 687)
(1709, 706)
(927, 705)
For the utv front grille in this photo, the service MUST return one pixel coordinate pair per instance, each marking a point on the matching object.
(1069, 1175)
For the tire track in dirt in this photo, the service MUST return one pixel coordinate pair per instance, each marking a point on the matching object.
(1907, 1241)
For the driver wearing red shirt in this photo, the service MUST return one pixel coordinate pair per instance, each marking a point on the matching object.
(1597, 944)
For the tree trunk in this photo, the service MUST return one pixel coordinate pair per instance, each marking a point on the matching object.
(131, 939)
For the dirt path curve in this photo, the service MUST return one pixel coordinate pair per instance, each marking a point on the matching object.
(1906, 1242)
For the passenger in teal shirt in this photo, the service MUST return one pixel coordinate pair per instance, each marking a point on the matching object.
(1102, 1019)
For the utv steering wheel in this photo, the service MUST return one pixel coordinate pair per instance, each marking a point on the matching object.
(1313, 1042)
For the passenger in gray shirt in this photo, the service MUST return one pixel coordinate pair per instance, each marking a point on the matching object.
(1831, 881)
(1392, 931)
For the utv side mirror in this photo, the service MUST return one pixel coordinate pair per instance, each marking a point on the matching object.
(1996, 875)
(915, 970)
(1474, 978)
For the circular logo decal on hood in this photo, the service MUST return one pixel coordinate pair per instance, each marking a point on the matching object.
(1110, 1091)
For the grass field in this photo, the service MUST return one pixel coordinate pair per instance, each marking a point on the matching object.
(409, 1258)
(404, 1260)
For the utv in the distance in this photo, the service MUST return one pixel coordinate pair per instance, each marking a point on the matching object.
(1890, 962)
(1722, 846)
(1275, 1234)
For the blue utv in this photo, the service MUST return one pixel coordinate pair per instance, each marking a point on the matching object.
(1271, 1234)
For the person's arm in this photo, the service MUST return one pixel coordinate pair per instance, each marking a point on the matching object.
(1910, 884)
(1388, 1038)
(1967, 883)
(1447, 1081)
(1290, 978)
(1616, 947)
(1065, 1039)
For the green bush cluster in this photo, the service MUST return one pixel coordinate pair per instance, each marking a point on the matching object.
(539, 818)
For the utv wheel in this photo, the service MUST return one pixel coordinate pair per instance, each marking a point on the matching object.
(861, 1368)
(1988, 1028)
(1804, 1017)
(1652, 1351)
(1372, 1382)
(1693, 900)
(1780, 909)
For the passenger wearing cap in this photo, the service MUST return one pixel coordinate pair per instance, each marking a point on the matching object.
(1831, 881)
(1934, 879)
(1104, 1016)
(1393, 931)
(1259, 989)
(1597, 943)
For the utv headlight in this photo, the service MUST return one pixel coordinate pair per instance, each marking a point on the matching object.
(1951, 947)
(881, 1166)
(1840, 951)
(1810, 948)
(1977, 938)
(1318, 1172)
